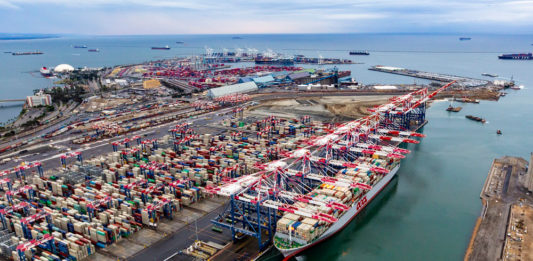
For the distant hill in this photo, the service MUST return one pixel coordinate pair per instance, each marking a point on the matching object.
(6, 36)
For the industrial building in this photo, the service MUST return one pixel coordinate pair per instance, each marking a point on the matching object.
(39, 100)
(232, 89)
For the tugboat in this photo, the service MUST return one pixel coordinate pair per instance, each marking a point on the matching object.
(453, 109)
(499, 132)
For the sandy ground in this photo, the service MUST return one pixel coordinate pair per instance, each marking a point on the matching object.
(327, 108)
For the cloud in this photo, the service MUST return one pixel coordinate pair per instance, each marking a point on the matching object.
(7, 4)
(267, 16)
(353, 16)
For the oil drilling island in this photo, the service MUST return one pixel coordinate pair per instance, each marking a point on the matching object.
(222, 156)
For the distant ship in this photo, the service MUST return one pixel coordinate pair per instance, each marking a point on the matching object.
(46, 72)
(80, 46)
(465, 38)
(94, 50)
(516, 56)
(161, 48)
(489, 74)
(180, 42)
(27, 53)
(359, 53)
(236, 37)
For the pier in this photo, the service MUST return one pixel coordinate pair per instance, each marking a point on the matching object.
(500, 232)
(13, 100)
(464, 81)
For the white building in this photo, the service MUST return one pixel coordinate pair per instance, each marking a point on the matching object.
(63, 68)
(232, 89)
(39, 99)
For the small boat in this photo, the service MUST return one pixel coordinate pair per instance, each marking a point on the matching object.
(465, 38)
(80, 46)
(489, 74)
(359, 53)
(94, 50)
(475, 118)
(161, 48)
(499, 132)
(454, 109)
(503, 94)
(516, 88)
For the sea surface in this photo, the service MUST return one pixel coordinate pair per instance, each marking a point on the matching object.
(430, 211)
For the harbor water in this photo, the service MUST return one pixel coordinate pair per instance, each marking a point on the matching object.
(430, 210)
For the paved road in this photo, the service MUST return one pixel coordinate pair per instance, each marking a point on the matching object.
(50, 158)
(183, 238)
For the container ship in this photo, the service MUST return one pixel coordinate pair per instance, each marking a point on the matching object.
(359, 53)
(80, 46)
(161, 48)
(94, 50)
(294, 235)
(516, 56)
(465, 38)
(27, 53)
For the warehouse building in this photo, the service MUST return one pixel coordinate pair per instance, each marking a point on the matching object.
(232, 89)
(39, 100)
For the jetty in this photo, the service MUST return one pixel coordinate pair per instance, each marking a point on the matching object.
(464, 81)
(501, 230)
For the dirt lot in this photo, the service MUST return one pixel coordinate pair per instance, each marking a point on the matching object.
(327, 108)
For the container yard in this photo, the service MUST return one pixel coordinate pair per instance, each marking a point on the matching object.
(93, 203)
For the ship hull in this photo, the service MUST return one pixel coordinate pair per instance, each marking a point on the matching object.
(347, 217)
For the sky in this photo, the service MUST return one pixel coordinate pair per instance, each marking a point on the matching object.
(131, 17)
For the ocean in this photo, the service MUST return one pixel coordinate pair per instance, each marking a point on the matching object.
(430, 211)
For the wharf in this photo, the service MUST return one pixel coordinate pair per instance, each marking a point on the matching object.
(464, 81)
(505, 199)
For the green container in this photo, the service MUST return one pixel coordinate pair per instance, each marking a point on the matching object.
(100, 233)
(151, 181)
(241, 124)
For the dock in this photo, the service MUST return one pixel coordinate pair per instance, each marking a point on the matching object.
(500, 232)
(461, 80)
